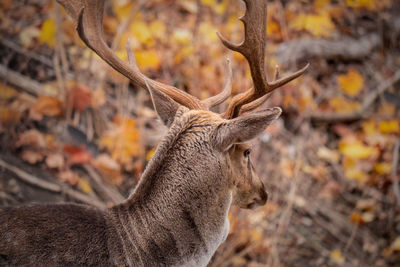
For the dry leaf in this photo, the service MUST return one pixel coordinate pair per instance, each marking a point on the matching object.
(351, 83)
(32, 156)
(389, 127)
(55, 161)
(320, 25)
(109, 167)
(337, 257)
(48, 32)
(68, 176)
(328, 154)
(81, 97)
(77, 154)
(121, 140)
(32, 138)
(46, 106)
(356, 149)
(84, 186)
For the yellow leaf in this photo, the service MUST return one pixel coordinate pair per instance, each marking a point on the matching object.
(157, 29)
(337, 257)
(383, 167)
(141, 32)
(208, 31)
(150, 154)
(388, 127)
(369, 127)
(48, 32)
(356, 149)
(121, 140)
(319, 4)
(343, 105)
(369, 4)
(122, 8)
(147, 59)
(357, 175)
(84, 186)
(209, 3)
(351, 83)
(319, 25)
(328, 154)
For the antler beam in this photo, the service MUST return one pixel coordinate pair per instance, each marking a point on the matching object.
(253, 49)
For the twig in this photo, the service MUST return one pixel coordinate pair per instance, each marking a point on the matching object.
(360, 114)
(110, 193)
(30, 179)
(14, 46)
(395, 163)
(55, 188)
(346, 48)
(28, 85)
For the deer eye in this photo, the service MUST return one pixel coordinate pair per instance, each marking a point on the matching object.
(246, 153)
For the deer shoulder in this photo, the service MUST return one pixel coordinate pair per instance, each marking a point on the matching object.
(178, 213)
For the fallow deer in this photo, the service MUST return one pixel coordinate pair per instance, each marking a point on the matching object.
(177, 215)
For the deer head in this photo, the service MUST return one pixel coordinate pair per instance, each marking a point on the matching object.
(233, 129)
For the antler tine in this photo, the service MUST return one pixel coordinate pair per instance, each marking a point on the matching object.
(89, 18)
(253, 49)
(225, 93)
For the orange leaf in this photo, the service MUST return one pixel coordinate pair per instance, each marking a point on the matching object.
(351, 83)
(122, 140)
(46, 106)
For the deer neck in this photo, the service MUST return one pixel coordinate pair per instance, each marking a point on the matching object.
(178, 213)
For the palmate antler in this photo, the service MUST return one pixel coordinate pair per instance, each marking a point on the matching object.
(88, 15)
(253, 49)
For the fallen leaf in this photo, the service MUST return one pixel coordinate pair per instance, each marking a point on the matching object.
(32, 138)
(356, 149)
(81, 97)
(109, 167)
(383, 167)
(337, 257)
(320, 25)
(77, 154)
(328, 154)
(84, 185)
(28, 35)
(389, 127)
(121, 140)
(48, 32)
(55, 161)
(147, 59)
(351, 83)
(357, 175)
(342, 105)
(68, 176)
(32, 156)
(46, 106)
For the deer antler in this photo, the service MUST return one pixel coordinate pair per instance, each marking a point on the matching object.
(253, 49)
(88, 14)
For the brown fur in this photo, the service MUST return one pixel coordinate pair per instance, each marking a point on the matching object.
(177, 214)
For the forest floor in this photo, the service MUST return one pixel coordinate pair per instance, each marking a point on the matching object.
(72, 129)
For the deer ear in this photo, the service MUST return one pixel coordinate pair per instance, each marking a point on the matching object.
(245, 128)
(165, 106)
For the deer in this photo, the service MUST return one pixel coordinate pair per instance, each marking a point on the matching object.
(177, 214)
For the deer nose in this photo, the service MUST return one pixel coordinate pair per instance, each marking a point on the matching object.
(263, 197)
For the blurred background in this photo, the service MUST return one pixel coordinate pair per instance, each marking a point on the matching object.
(73, 129)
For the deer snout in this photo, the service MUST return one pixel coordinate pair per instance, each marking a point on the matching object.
(262, 198)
